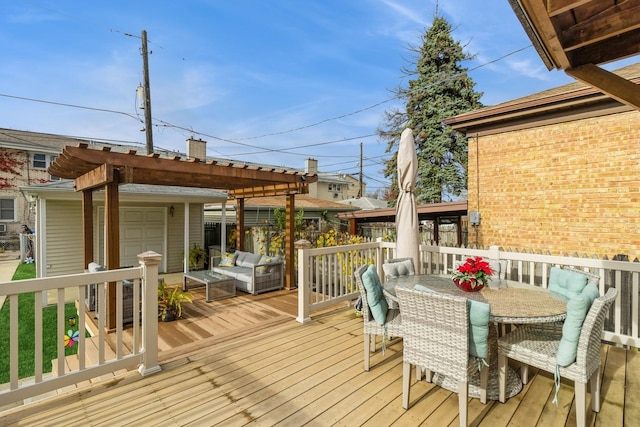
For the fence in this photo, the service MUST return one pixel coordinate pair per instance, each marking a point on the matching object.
(325, 277)
(142, 354)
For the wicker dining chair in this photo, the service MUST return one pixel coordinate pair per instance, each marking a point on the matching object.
(537, 346)
(436, 337)
(391, 328)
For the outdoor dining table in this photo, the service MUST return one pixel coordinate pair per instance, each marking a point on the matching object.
(511, 302)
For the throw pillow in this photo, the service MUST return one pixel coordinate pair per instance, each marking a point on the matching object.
(375, 298)
(397, 269)
(565, 282)
(479, 328)
(228, 260)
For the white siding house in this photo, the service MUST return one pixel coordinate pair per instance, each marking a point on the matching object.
(151, 218)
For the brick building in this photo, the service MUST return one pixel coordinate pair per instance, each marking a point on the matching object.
(556, 172)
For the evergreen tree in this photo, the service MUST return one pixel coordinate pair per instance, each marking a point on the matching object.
(439, 88)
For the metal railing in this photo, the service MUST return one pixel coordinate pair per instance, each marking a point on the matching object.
(143, 353)
(325, 277)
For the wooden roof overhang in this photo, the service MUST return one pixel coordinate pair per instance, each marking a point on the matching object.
(438, 212)
(577, 35)
(93, 169)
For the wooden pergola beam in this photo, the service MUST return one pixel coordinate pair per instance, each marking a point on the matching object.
(613, 85)
(98, 177)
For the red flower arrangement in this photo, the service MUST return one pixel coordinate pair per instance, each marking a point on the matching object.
(472, 275)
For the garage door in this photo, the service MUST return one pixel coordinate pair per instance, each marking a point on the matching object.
(141, 230)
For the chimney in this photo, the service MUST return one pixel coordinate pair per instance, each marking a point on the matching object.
(197, 148)
(311, 166)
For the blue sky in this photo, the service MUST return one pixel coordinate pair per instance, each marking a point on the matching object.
(271, 82)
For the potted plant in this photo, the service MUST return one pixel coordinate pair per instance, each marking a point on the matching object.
(170, 300)
(197, 257)
(473, 275)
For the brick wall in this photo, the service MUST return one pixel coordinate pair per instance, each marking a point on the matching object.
(566, 188)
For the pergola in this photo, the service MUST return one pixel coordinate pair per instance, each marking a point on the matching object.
(577, 35)
(94, 169)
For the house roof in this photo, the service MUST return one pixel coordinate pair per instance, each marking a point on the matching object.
(39, 141)
(365, 203)
(303, 201)
(130, 192)
(575, 95)
(428, 211)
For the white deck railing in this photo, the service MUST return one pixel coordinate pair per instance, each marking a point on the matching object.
(144, 351)
(325, 277)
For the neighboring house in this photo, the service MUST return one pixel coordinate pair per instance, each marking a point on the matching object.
(332, 186)
(24, 159)
(556, 172)
(152, 217)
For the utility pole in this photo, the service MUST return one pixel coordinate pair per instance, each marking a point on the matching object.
(147, 94)
(361, 184)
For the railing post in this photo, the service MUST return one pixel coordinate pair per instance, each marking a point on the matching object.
(304, 285)
(149, 262)
(379, 257)
(494, 252)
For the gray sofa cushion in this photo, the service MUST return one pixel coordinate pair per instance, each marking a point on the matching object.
(247, 259)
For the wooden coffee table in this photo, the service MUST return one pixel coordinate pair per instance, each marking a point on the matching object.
(217, 286)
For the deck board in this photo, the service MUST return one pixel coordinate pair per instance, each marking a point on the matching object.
(245, 361)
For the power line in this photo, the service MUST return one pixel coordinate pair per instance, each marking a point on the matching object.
(104, 110)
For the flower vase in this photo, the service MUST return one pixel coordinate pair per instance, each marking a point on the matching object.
(466, 285)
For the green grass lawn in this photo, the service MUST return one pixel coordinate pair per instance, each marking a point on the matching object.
(26, 325)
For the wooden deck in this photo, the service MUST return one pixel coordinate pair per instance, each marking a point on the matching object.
(245, 360)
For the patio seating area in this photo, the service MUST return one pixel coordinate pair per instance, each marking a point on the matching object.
(245, 360)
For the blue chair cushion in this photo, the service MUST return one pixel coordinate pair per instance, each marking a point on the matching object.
(375, 298)
(577, 309)
(423, 289)
(479, 328)
(566, 282)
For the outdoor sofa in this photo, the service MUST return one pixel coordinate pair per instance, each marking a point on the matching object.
(253, 273)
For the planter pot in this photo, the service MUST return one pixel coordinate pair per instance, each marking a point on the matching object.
(466, 286)
(167, 316)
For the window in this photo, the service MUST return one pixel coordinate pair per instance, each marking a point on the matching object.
(335, 187)
(7, 210)
(42, 161)
(39, 161)
(51, 177)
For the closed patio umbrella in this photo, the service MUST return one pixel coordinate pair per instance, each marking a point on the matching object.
(407, 239)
